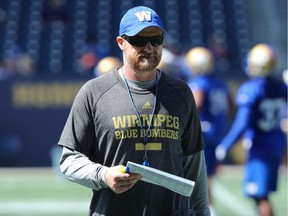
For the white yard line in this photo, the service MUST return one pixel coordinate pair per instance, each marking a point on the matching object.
(230, 201)
(43, 206)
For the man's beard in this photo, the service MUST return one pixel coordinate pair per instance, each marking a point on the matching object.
(145, 62)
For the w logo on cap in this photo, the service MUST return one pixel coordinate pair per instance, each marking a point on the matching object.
(144, 15)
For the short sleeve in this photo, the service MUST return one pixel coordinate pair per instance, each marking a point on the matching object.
(78, 132)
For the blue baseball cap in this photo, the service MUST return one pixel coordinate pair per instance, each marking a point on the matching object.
(138, 18)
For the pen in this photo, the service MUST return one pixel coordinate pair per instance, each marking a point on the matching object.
(124, 169)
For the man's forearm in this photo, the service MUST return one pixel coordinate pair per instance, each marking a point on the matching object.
(79, 169)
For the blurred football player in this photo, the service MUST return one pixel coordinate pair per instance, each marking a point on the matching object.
(284, 121)
(213, 102)
(173, 65)
(107, 64)
(261, 103)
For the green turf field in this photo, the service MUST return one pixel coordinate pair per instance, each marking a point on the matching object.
(229, 199)
(41, 192)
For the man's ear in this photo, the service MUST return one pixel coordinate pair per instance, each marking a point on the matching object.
(120, 41)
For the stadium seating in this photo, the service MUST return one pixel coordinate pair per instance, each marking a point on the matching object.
(57, 46)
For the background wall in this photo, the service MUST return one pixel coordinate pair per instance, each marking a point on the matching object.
(49, 48)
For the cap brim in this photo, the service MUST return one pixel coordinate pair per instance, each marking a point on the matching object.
(139, 28)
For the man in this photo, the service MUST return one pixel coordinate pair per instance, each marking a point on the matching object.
(213, 103)
(261, 105)
(135, 113)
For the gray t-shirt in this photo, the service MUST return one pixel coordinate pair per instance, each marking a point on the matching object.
(103, 126)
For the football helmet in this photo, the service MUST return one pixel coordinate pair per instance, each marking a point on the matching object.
(200, 60)
(107, 64)
(167, 59)
(261, 60)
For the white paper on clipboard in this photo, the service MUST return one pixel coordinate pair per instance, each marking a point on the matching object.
(154, 176)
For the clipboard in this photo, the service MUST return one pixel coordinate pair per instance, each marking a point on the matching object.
(167, 180)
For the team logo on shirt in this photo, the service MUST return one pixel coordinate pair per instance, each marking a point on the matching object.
(163, 126)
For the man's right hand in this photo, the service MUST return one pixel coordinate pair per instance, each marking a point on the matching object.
(118, 181)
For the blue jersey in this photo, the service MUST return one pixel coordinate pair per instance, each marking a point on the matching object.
(214, 112)
(261, 106)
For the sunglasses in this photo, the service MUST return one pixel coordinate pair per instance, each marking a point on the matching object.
(141, 41)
